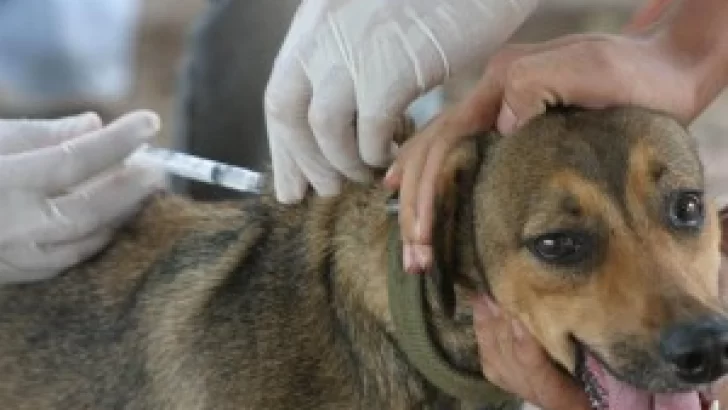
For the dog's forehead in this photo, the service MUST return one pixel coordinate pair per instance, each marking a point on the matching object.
(606, 146)
(608, 149)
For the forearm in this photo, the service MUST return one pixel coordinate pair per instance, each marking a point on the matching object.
(697, 39)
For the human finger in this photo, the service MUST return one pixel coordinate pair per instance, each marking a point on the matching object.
(33, 263)
(332, 114)
(287, 101)
(28, 134)
(592, 79)
(57, 168)
(95, 205)
(488, 321)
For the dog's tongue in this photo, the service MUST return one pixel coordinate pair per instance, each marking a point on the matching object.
(621, 396)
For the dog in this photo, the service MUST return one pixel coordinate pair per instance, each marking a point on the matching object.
(590, 226)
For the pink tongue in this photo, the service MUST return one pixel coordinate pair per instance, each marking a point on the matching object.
(622, 396)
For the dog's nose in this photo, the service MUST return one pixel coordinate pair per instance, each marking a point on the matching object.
(699, 350)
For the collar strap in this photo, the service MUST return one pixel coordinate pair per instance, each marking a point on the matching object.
(407, 307)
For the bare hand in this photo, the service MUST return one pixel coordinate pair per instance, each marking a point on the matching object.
(514, 361)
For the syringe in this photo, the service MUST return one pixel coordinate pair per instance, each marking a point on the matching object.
(209, 171)
(198, 169)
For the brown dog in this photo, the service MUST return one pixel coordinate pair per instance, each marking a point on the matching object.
(590, 226)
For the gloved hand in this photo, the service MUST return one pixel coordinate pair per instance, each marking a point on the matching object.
(64, 188)
(349, 64)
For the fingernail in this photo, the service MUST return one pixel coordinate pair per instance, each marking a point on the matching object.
(150, 126)
(423, 254)
(492, 307)
(390, 174)
(507, 120)
(153, 121)
(518, 331)
(391, 178)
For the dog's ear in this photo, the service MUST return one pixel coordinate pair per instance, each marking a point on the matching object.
(453, 203)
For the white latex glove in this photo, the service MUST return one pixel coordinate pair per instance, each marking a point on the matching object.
(64, 189)
(363, 61)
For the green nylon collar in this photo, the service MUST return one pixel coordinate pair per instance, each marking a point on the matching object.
(407, 307)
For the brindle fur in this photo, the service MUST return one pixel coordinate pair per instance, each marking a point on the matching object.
(255, 305)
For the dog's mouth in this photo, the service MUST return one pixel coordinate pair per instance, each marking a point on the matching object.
(606, 392)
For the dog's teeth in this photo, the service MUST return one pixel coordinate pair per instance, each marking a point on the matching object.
(595, 392)
(715, 405)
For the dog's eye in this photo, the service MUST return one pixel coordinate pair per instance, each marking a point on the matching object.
(562, 247)
(686, 209)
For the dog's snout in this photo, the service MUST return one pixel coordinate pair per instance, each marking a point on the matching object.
(698, 350)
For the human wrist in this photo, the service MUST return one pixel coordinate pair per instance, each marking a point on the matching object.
(697, 47)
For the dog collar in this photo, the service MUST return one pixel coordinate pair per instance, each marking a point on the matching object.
(407, 307)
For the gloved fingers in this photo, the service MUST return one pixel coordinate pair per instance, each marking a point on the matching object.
(321, 175)
(54, 169)
(99, 203)
(376, 126)
(332, 116)
(380, 108)
(375, 139)
(306, 20)
(286, 102)
(288, 180)
(32, 262)
(407, 65)
(25, 135)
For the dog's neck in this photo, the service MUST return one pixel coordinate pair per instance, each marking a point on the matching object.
(456, 277)
(434, 328)
(359, 224)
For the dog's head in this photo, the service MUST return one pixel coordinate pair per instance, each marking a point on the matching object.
(593, 228)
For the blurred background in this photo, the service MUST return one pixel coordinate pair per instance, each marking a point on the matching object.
(203, 65)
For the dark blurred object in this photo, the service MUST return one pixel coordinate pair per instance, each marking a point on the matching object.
(220, 111)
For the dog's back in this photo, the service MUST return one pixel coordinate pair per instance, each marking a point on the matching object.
(173, 315)
(214, 306)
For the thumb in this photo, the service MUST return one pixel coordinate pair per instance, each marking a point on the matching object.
(529, 86)
(590, 79)
(520, 104)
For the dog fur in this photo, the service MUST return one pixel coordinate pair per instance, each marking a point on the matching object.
(255, 305)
